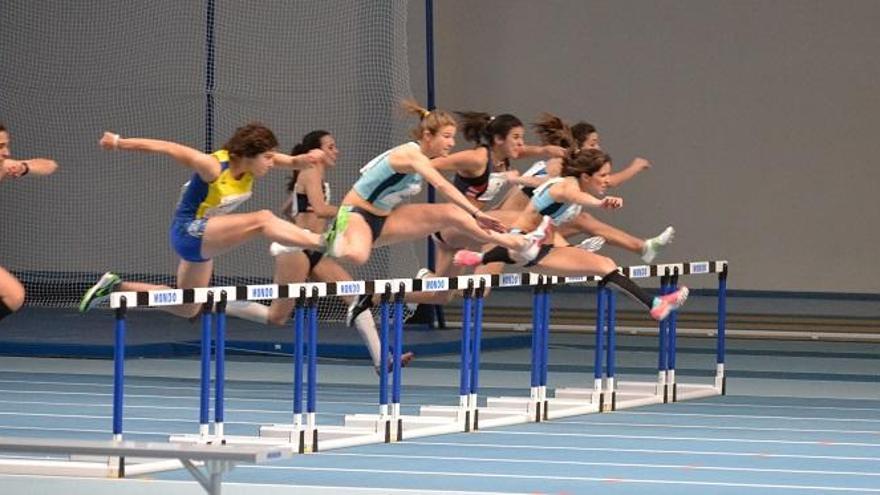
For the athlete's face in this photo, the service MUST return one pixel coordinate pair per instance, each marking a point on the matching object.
(328, 146)
(512, 145)
(597, 183)
(4, 145)
(261, 164)
(441, 142)
(592, 142)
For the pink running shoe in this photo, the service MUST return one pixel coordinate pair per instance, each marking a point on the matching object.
(663, 305)
(463, 257)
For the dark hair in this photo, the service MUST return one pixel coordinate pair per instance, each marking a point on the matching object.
(584, 162)
(2, 127)
(481, 128)
(552, 130)
(309, 142)
(251, 140)
(581, 131)
(429, 120)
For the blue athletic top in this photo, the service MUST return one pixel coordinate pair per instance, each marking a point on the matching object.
(383, 187)
(559, 213)
(200, 199)
(538, 169)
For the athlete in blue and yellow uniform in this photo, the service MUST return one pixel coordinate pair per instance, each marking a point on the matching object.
(203, 225)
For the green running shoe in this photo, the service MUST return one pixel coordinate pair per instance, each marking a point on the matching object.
(100, 291)
(333, 235)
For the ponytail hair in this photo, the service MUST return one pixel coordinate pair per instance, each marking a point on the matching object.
(309, 142)
(480, 128)
(429, 120)
(588, 162)
(552, 130)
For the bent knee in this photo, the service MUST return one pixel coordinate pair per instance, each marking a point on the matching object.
(606, 265)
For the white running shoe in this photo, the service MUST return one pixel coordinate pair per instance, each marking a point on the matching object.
(592, 244)
(533, 242)
(276, 249)
(654, 245)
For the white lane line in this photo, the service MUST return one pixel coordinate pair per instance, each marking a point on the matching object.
(645, 451)
(714, 427)
(689, 439)
(689, 467)
(563, 478)
(181, 397)
(747, 416)
(779, 406)
(285, 387)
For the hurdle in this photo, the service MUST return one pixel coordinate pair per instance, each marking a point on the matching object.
(667, 388)
(606, 393)
(216, 460)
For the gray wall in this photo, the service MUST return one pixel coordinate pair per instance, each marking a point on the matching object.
(760, 118)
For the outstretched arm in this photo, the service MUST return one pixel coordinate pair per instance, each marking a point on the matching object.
(13, 169)
(314, 187)
(203, 164)
(299, 162)
(637, 165)
(548, 150)
(422, 166)
(568, 192)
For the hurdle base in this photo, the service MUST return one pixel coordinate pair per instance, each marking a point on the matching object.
(409, 426)
(195, 439)
(89, 467)
(329, 437)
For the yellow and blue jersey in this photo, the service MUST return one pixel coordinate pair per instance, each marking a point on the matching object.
(200, 199)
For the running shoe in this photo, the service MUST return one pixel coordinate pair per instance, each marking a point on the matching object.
(663, 305)
(654, 245)
(592, 244)
(100, 291)
(333, 235)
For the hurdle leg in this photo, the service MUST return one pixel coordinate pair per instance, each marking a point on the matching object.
(671, 344)
(598, 391)
(465, 370)
(312, 376)
(611, 350)
(396, 419)
(220, 367)
(720, 379)
(119, 383)
(545, 351)
(475, 354)
(205, 371)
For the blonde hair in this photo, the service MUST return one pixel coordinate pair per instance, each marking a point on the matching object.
(429, 120)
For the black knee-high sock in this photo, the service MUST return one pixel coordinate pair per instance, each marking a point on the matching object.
(4, 310)
(628, 287)
(496, 254)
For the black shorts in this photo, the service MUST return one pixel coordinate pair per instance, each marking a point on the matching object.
(375, 222)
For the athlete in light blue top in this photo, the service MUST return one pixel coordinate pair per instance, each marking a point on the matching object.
(585, 175)
(372, 213)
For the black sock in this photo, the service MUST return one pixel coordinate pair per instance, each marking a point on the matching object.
(496, 254)
(628, 287)
(4, 310)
